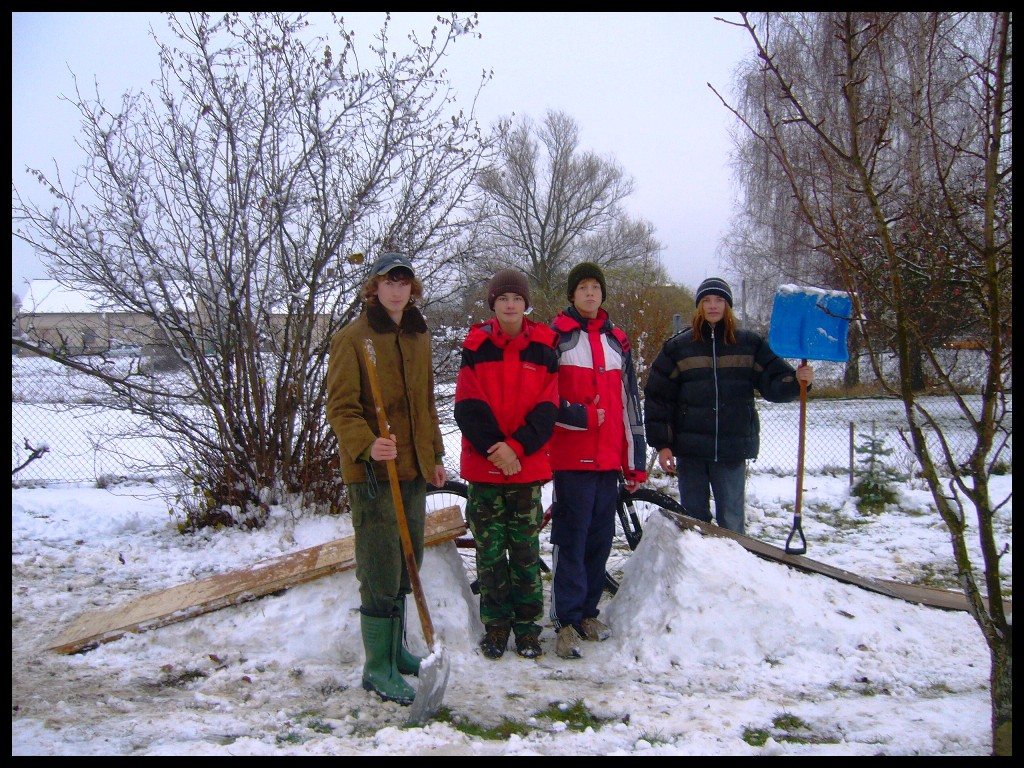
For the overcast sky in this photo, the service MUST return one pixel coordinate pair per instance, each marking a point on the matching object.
(636, 84)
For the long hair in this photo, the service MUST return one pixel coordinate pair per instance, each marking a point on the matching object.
(369, 292)
(728, 319)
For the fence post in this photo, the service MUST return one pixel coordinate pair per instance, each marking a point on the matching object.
(851, 454)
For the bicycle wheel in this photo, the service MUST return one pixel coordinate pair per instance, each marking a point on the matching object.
(455, 493)
(633, 511)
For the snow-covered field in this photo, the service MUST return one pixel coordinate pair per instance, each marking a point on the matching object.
(715, 651)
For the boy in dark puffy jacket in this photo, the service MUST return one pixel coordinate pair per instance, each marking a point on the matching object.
(700, 411)
(505, 404)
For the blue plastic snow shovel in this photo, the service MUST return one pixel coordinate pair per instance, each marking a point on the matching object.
(809, 324)
(434, 669)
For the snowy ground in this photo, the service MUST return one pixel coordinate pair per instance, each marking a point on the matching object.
(715, 651)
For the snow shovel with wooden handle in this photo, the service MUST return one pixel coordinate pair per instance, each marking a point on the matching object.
(434, 669)
(810, 324)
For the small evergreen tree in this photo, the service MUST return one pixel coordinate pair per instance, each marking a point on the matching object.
(873, 488)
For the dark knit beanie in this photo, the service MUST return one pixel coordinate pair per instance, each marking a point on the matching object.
(508, 281)
(581, 272)
(714, 286)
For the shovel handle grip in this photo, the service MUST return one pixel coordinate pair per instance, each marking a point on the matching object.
(396, 495)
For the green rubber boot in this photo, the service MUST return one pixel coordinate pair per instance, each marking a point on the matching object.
(407, 663)
(380, 674)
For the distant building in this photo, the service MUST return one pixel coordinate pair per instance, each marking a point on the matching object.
(75, 323)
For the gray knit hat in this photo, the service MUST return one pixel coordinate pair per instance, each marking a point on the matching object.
(581, 272)
(714, 286)
(508, 281)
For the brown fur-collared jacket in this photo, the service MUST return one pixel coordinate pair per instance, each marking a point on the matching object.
(406, 377)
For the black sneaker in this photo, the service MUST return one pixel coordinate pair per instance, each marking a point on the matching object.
(495, 641)
(528, 646)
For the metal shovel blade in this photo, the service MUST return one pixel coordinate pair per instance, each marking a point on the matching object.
(433, 679)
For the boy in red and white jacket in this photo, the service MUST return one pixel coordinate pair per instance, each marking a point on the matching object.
(506, 399)
(598, 438)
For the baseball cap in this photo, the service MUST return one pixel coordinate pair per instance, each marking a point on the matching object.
(389, 261)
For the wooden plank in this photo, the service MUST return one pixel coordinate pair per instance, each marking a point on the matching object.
(930, 596)
(185, 601)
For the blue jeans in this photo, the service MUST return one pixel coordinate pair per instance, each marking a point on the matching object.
(727, 479)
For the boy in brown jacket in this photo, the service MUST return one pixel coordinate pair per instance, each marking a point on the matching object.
(403, 360)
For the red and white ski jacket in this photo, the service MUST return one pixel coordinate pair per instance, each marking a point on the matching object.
(595, 370)
(507, 390)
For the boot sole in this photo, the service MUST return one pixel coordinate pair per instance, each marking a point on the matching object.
(367, 686)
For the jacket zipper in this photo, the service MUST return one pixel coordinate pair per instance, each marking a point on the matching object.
(714, 373)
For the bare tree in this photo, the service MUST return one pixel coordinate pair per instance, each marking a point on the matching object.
(894, 134)
(548, 204)
(224, 209)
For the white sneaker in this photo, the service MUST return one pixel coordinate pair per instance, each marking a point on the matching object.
(568, 644)
(595, 629)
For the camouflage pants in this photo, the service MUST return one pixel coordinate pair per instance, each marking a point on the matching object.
(505, 521)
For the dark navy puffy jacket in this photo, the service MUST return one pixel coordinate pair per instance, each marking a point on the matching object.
(699, 397)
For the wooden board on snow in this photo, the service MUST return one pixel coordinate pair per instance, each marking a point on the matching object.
(930, 596)
(184, 601)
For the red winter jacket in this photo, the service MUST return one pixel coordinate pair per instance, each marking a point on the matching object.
(595, 366)
(507, 390)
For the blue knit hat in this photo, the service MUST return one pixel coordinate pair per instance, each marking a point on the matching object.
(714, 286)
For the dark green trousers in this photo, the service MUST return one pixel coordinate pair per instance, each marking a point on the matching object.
(380, 564)
(505, 521)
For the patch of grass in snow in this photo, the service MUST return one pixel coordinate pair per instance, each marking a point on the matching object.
(653, 738)
(574, 714)
(863, 686)
(937, 691)
(756, 737)
(937, 575)
(315, 723)
(331, 687)
(789, 722)
(786, 727)
(179, 679)
(503, 731)
(839, 519)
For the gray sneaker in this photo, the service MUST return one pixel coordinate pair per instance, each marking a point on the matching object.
(595, 629)
(568, 644)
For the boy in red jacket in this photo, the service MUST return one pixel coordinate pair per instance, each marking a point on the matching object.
(599, 437)
(505, 404)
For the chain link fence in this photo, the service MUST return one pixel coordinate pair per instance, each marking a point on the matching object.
(59, 413)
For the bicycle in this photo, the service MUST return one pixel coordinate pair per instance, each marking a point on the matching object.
(631, 510)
